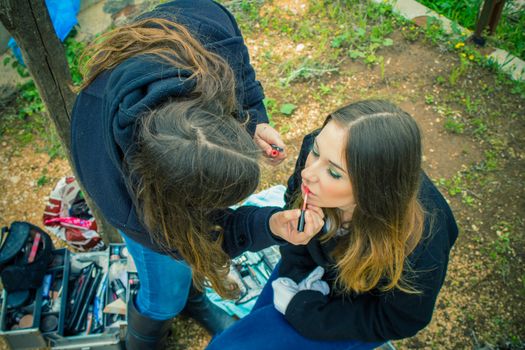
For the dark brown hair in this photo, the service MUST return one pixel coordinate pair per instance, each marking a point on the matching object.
(191, 155)
(383, 158)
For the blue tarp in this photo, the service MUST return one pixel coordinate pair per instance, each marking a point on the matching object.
(63, 15)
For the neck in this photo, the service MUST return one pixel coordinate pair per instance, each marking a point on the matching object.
(346, 215)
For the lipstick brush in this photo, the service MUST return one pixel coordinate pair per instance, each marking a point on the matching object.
(300, 226)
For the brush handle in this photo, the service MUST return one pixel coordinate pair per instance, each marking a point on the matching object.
(300, 226)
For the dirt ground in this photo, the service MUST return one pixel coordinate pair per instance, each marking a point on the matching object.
(479, 170)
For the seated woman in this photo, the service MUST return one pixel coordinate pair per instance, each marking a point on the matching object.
(374, 272)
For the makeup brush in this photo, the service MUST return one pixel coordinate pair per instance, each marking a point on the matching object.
(300, 227)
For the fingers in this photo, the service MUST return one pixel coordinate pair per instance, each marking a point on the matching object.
(281, 222)
(284, 225)
(316, 209)
(274, 154)
(290, 215)
(313, 222)
(270, 142)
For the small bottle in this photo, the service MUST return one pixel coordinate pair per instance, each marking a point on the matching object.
(119, 289)
(115, 255)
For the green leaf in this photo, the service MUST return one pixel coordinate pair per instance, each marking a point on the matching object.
(356, 54)
(269, 102)
(288, 108)
(371, 59)
(388, 42)
(42, 181)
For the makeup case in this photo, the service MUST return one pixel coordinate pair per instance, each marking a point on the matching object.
(62, 309)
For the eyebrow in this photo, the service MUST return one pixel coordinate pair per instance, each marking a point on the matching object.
(329, 161)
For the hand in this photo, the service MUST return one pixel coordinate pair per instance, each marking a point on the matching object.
(314, 282)
(284, 289)
(264, 137)
(284, 224)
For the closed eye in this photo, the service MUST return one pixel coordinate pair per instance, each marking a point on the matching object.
(315, 152)
(334, 174)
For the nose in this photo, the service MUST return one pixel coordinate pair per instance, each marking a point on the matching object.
(309, 174)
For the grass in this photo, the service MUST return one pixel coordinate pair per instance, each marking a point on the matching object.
(510, 33)
(30, 118)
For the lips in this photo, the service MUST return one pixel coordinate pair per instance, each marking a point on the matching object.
(305, 189)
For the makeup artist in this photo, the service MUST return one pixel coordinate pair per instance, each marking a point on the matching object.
(374, 272)
(166, 135)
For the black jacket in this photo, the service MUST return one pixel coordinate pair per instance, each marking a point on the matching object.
(106, 112)
(376, 315)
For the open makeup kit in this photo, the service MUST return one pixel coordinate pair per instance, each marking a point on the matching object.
(80, 304)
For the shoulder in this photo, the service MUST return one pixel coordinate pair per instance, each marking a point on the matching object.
(206, 19)
(440, 228)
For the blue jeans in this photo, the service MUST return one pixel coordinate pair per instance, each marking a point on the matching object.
(164, 282)
(266, 328)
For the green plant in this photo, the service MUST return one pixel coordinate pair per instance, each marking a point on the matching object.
(471, 105)
(29, 101)
(363, 27)
(440, 80)
(501, 248)
(324, 89)
(453, 185)
(459, 185)
(453, 125)
(247, 12)
(491, 160)
(307, 69)
(434, 31)
(480, 127)
(271, 108)
(74, 50)
(42, 180)
(287, 108)
(411, 32)
(458, 71)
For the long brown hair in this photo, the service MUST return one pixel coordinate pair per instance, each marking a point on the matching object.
(170, 42)
(383, 158)
(191, 155)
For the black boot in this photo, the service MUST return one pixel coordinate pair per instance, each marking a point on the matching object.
(207, 314)
(144, 332)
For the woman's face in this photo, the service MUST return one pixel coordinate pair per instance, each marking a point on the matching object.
(325, 173)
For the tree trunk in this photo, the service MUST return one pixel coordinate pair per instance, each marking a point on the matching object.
(29, 23)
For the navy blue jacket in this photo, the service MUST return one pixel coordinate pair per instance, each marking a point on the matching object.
(105, 114)
(375, 315)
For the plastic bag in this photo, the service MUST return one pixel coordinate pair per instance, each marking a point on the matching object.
(63, 14)
(68, 217)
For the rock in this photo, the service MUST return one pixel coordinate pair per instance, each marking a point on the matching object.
(14, 179)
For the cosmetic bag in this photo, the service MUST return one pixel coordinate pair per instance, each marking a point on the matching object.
(25, 253)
